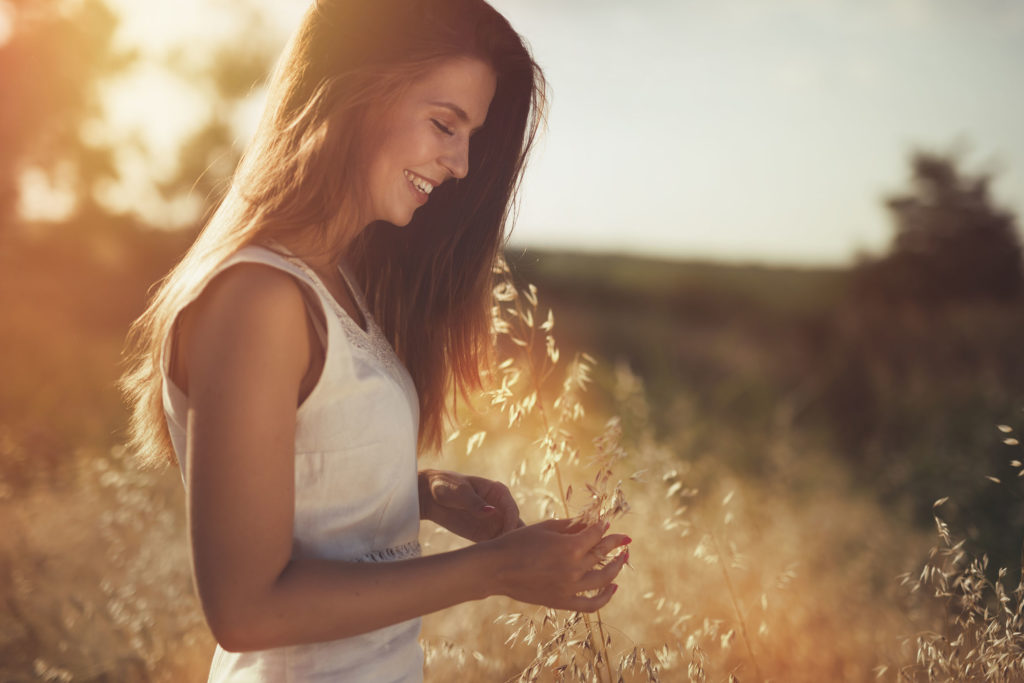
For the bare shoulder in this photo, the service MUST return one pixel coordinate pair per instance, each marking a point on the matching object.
(250, 310)
(253, 288)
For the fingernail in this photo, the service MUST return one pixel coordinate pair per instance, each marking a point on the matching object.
(607, 526)
(627, 556)
(615, 587)
(488, 508)
(627, 541)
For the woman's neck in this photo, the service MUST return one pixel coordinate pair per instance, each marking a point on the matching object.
(322, 251)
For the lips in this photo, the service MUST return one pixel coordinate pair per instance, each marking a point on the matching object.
(422, 187)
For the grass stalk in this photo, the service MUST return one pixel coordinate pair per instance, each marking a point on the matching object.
(736, 605)
(537, 377)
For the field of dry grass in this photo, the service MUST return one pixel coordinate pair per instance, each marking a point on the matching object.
(735, 576)
(758, 554)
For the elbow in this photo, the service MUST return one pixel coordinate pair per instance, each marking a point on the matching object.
(242, 616)
(231, 634)
(232, 640)
(238, 630)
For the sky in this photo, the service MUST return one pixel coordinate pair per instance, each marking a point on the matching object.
(740, 130)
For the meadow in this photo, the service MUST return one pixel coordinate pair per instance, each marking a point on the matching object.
(807, 481)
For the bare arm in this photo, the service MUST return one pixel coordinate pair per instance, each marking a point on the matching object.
(245, 350)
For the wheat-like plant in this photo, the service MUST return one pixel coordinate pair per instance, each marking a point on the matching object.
(982, 630)
(573, 476)
(573, 646)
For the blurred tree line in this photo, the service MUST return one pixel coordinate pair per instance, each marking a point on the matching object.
(903, 364)
(951, 244)
(927, 356)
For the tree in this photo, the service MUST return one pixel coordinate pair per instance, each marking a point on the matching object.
(951, 243)
(53, 69)
(227, 75)
(50, 71)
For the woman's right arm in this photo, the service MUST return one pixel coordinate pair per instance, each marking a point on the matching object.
(244, 347)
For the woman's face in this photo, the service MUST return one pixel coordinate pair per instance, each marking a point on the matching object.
(425, 137)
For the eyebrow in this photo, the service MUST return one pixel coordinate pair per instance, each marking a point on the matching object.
(459, 112)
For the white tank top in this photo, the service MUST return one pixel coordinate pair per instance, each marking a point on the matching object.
(356, 495)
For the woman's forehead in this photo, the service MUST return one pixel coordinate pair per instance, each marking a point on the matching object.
(464, 86)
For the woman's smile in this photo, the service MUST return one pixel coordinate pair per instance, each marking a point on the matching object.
(425, 137)
(421, 187)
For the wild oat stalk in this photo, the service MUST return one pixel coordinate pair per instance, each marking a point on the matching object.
(983, 637)
(735, 605)
(516, 317)
(711, 551)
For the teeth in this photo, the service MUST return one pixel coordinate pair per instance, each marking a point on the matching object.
(421, 184)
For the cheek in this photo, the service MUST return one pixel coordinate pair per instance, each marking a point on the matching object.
(386, 165)
(411, 145)
(400, 145)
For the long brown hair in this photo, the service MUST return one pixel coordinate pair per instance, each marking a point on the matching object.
(427, 285)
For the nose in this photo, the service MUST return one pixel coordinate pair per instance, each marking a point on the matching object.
(456, 158)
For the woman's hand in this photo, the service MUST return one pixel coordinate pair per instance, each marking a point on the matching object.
(553, 562)
(472, 507)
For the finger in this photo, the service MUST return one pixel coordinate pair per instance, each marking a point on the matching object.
(466, 498)
(598, 578)
(578, 524)
(508, 504)
(610, 543)
(450, 490)
(591, 535)
(497, 494)
(583, 603)
(561, 526)
(520, 523)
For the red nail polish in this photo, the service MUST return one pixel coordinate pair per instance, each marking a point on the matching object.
(627, 541)
(615, 587)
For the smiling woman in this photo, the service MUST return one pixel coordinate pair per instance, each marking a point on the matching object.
(305, 349)
(425, 139)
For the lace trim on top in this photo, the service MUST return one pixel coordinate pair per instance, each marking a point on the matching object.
(398, 552)
(371, 339)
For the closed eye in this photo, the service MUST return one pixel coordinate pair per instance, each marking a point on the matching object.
(441, 127)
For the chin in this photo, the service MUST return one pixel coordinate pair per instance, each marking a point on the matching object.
(402, 221)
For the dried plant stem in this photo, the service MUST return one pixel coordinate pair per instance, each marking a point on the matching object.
(537, 380)
(556, 443)
(735, 605)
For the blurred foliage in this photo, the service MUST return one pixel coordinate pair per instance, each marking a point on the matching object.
(951, 243)
(927, 355)
(68, 298)
(227, 76)
(51, 67)
(55, 69)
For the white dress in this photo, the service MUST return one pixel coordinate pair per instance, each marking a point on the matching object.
(356, 496)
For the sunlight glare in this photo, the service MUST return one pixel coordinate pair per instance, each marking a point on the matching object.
(43, 199)
(134, 192)
(6, 24)
(156, 27)
(159, 107)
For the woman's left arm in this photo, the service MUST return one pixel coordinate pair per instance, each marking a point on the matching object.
(475, 508)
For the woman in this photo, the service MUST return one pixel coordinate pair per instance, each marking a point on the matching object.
(300, 355)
